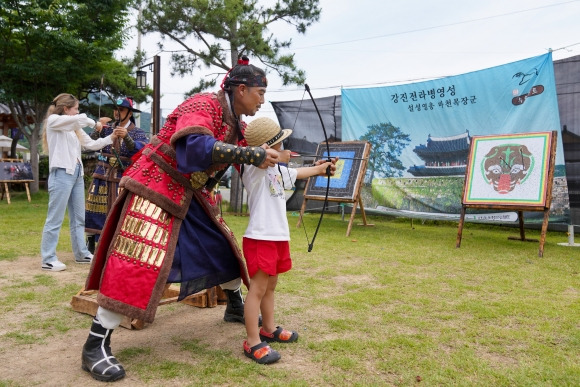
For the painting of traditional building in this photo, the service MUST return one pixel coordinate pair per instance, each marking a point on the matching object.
(443, 156)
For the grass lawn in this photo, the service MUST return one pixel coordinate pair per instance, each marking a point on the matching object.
(390, 305)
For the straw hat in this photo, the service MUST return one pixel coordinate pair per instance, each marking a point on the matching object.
(263, 130)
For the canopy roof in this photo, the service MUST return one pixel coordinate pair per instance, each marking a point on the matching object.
(6, 143)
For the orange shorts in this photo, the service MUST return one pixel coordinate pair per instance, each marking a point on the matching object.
(272, 257)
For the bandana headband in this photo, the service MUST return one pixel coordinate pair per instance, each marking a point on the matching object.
(251, 81)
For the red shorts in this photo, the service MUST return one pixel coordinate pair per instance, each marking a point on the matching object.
(272, 257)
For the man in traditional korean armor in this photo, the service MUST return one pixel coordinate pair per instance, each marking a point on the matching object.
(112, 162)
(165, 226)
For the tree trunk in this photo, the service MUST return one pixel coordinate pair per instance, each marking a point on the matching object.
(13, 154)
(34, 157)
(236, 192)
(34, 137)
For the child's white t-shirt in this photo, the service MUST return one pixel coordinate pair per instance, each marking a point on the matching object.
(267, 201)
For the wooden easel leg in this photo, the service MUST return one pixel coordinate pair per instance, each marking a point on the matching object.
(302, 209)
(27, 191)
(460, 227)
(521, 221)
(362, 210)
(7, 192)
(522, 237)
(543, 233)
(352, 214)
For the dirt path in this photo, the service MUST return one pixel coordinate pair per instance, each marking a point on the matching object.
(46, 359)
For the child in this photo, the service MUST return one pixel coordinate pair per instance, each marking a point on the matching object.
(265, 243)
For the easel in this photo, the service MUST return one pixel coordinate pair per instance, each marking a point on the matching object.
(545, 206)
(85, 301)
(351, 194)
(4, 188)
(357, 201)
(4, 183)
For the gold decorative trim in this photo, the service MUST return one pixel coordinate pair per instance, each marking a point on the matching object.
(198, 179)
(144, 234)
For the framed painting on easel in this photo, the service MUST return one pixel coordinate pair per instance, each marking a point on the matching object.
(346, 184)
(510, 172)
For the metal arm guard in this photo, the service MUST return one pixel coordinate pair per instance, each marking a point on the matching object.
(129, 142)
(223, 153)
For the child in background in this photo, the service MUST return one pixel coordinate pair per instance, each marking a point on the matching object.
(265, 243)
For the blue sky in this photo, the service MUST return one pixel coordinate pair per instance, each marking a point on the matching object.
(367, 43)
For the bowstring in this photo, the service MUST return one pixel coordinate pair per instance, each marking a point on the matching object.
(311, 245)
(293, 187)
(114, 151)
(301, 219)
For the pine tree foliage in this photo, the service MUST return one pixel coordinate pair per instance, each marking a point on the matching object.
(49, 47)
(215, 33)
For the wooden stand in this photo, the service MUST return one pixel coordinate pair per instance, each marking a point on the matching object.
(545, 207)
(357, 202)
(9, 177)
(85, 301)
(4, 188)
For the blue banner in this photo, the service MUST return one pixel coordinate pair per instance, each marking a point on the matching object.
(499, 100)
(424, 129)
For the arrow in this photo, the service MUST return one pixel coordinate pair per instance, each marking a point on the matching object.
(294, 154)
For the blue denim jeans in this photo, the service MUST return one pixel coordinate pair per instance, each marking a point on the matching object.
(64, 191)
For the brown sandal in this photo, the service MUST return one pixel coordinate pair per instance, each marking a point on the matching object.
(261, 353)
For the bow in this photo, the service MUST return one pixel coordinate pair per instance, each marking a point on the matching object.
(121, 165)
(311, 244)
(101, 94)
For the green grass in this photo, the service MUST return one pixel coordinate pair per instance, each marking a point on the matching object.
(22, 223)
(388, 305)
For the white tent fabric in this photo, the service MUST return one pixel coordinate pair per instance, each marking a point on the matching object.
(6, 142)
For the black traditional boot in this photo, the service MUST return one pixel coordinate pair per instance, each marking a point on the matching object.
(235, 306)
(97, 357)
(91, 243)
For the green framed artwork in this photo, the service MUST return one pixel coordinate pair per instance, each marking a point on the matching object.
(509, 170)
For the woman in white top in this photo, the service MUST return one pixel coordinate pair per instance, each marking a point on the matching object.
(62, 139)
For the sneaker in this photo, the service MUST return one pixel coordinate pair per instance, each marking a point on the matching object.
(54, 266)
(87, 259)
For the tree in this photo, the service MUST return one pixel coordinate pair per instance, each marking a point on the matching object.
(215, 33)
(387, 143)
(52, 46)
